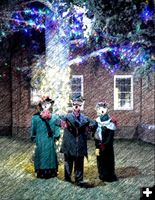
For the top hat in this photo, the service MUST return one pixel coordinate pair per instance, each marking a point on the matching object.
(101, 104)
(78, 99)
(46, 98)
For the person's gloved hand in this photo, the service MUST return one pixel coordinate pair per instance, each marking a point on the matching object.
(97, 152)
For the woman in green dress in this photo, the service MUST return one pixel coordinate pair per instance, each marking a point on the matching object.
(44, 133)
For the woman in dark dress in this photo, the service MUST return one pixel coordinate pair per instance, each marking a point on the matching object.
(104, 144)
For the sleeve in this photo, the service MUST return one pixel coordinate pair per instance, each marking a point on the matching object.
(97, 144)
(33, 129)
(92, 123)
(59, 121)
(92, 126)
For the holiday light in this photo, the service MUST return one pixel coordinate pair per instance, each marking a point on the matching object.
(75, 30)
(146, 14)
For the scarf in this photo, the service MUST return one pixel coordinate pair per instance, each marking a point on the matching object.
(103, 121)
(46, 120)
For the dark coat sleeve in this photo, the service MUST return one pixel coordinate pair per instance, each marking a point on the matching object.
(92, 126)
(59, 120)
(109, 134)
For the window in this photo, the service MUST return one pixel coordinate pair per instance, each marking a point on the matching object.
(123, 92)
(76, 86)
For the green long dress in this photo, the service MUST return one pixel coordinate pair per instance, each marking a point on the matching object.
(45, 158)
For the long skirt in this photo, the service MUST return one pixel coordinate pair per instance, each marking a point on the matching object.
(106, 165)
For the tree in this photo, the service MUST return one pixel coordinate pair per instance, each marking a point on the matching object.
(122, 31)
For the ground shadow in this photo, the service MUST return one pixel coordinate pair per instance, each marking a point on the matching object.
(90, 174)
(126, 172)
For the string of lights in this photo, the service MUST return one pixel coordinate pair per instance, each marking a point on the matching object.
(120, 51)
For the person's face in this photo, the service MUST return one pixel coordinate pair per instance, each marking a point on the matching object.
(76, 107)
(101, 111)
(46, 105)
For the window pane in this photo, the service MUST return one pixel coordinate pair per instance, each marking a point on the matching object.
(126, 96)
(76, 93)
(128, 81)
(122, 87)
(76, 81)
(76, 88)
(127, 87)
(123, 84)
(124, 104)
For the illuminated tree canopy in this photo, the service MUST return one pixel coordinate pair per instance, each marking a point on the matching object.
(119, 33)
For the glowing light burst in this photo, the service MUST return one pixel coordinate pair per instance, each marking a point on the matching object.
(56, 76)
(56, 72)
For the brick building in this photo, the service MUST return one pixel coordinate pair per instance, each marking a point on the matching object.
(136, 109)
(129, 100)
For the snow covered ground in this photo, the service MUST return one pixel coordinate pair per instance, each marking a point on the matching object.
(134, 167)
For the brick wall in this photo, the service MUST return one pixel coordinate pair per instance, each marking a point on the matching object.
(21, 109)
(98, 86)
(5, 108)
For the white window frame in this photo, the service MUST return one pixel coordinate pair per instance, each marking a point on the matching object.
(82, 86)
(116, 93)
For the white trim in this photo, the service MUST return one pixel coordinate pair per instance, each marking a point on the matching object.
(115, 92)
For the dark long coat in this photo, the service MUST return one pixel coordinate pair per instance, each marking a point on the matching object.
(75, 135)
(105, 159)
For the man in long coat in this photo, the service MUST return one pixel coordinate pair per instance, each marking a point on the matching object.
(74, 144)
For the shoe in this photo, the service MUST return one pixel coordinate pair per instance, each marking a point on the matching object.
(109, 179)
(68, 180)
(84, 184)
